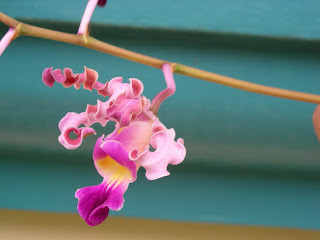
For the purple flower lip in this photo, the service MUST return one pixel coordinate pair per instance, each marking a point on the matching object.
(101, 3)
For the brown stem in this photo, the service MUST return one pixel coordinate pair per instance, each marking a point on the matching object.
(92, 43)
(246, 86)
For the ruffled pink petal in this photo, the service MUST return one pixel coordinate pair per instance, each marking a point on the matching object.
(167, 152)
(132, 90)
(136, 137)
(70, 123)
(316, 121)
(126, 111)
(136, 88)
(89, 79)
(157, 126)
(123, 107)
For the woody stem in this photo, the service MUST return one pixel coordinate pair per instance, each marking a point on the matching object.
(92, 43)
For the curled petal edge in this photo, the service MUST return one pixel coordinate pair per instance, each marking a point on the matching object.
(89, 79)
(70, 123)
(124, 105)
(167, 151)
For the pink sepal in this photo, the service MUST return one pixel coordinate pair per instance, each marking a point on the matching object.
(167, 151)
(89, 79)
(124, 105)
(70, 123)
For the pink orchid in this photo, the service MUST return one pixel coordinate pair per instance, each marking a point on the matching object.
(118, 156)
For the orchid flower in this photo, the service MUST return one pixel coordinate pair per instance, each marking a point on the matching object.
(118, 156)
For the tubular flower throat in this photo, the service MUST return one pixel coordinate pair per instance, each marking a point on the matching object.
(118, 156)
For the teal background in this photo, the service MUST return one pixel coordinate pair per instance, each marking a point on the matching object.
(251, 159)
(294, 18)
